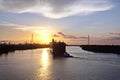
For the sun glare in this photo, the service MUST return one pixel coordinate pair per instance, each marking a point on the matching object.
(44, 55)
(45, 58)
(43, 37)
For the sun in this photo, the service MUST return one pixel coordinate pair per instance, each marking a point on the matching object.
(44, 37)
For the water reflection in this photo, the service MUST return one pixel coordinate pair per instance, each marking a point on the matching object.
(45, 59)
(44, 71)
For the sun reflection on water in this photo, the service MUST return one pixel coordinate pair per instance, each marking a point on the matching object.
(45, 59)
(44, 72)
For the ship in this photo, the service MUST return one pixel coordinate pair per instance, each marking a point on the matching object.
(58, 49)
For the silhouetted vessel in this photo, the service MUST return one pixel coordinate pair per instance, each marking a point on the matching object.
(58, 49)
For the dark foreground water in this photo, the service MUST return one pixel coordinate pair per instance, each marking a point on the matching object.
(40, 65)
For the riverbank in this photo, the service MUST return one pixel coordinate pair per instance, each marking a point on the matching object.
(102, 48)
(5, 48)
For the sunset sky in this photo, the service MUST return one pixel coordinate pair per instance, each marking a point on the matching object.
(65, 20)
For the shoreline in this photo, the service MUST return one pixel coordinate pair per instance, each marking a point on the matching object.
(102, 48)
(6, 48)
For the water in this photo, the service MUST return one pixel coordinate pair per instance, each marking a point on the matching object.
(39, 64)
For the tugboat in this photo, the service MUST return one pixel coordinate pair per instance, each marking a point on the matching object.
(58, 49)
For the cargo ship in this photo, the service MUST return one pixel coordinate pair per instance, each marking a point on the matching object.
(58, 49)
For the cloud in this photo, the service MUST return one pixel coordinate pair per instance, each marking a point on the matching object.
(62, 34)
(55, 35)
(70, 36)
(56, 8)
(66, 36)
(115, 38)
(115, 33)
(16, 5)
(84, 37)
(6, 25)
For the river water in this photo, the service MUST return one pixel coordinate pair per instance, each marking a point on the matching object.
(39, 64)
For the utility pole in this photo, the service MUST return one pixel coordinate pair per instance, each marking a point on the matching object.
(88, 40)
(32, 38)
